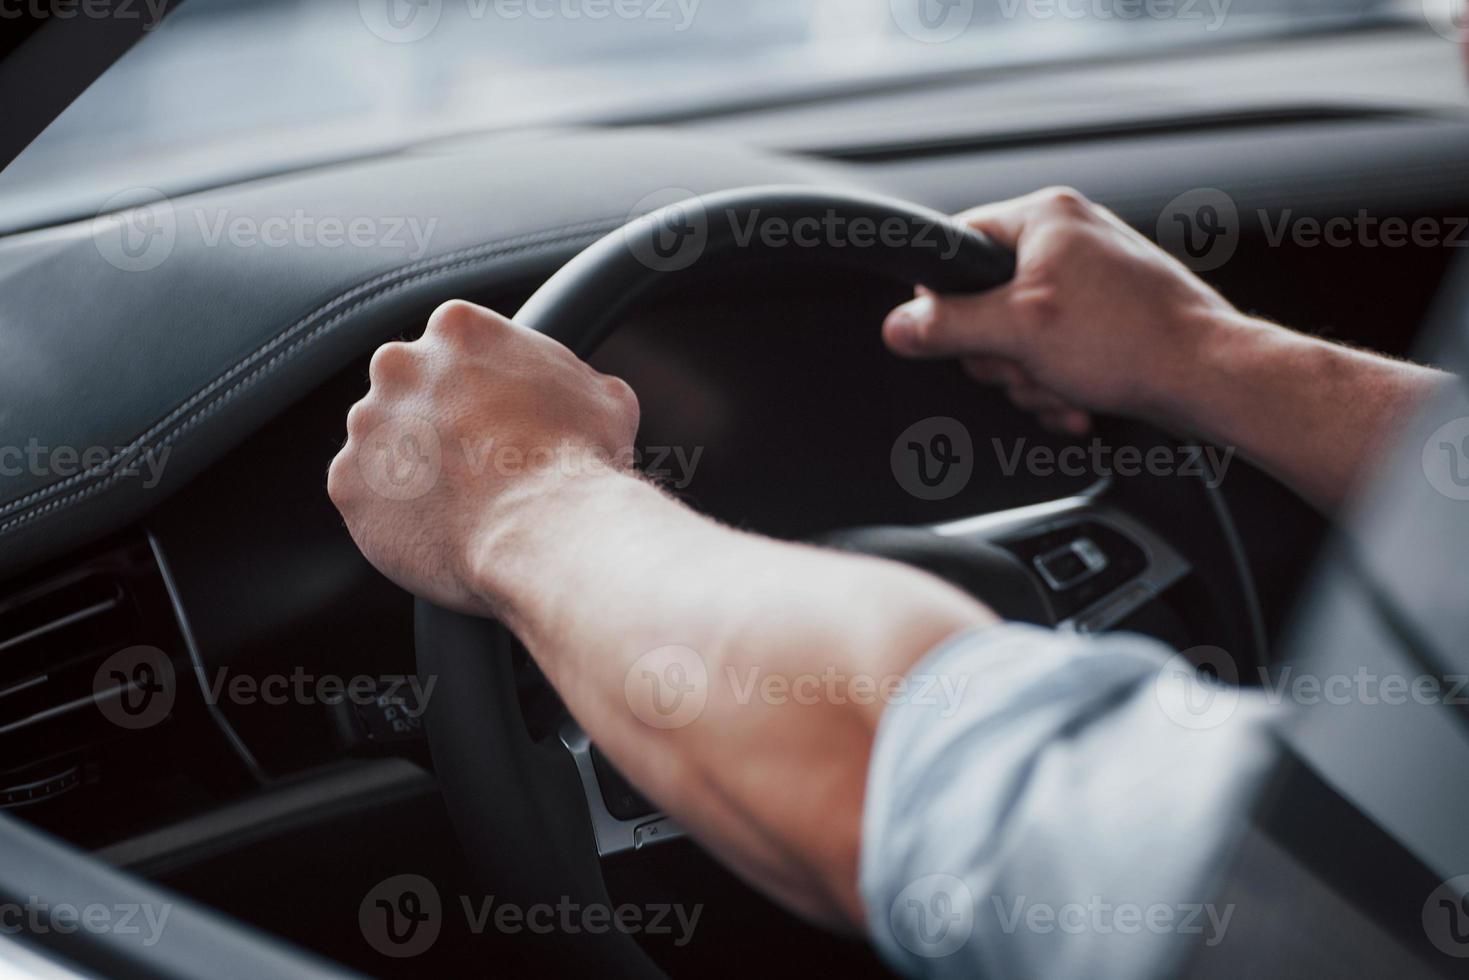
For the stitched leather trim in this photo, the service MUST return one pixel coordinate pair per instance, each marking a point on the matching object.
(264, 360)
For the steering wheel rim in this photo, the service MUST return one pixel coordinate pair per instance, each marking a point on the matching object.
(542, 847)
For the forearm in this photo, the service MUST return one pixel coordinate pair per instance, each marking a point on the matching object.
(594, 572)
(1312, 413)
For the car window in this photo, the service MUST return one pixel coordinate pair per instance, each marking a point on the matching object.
(224, 89)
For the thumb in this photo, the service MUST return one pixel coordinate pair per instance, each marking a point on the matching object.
(932, 325)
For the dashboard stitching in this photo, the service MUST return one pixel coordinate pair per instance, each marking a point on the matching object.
(405, 275)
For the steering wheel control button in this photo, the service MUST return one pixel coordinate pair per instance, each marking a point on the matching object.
(395, 714)
(657, 832)
(1085, 564)
(934, 459)
(1071, 564)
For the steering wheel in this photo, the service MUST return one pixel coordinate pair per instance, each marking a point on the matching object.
(538, 816)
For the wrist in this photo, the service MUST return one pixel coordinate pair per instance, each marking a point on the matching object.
(1220, 355)
(547, 504)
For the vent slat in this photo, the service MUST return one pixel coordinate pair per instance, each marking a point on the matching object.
(81, 615)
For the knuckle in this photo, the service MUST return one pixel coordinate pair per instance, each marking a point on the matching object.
(1066, 200)
(458, 321)
(392, 363)
(623, 396)
(1037, 307)
(361, 418)
(337, 483)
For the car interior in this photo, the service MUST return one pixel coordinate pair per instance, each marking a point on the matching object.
(182, 609)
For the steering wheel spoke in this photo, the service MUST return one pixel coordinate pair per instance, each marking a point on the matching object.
(1094, 563)
(622, 820)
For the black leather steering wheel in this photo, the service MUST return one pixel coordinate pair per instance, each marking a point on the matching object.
(529, 812)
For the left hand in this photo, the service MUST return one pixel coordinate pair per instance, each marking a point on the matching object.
(457, 432)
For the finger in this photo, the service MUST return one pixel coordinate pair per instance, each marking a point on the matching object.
(465, 324)
(1034, 398)
(993, 370)
(1007, 221)
(1003, 221)
(1070, 421)
(949, 326)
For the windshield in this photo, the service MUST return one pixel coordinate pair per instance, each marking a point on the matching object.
(228, 89)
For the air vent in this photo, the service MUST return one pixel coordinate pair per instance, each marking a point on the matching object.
(75, 664)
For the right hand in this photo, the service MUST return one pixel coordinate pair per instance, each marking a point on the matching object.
(1097, 319)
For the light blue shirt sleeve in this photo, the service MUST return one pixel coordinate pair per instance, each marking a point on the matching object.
(1055, 806)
